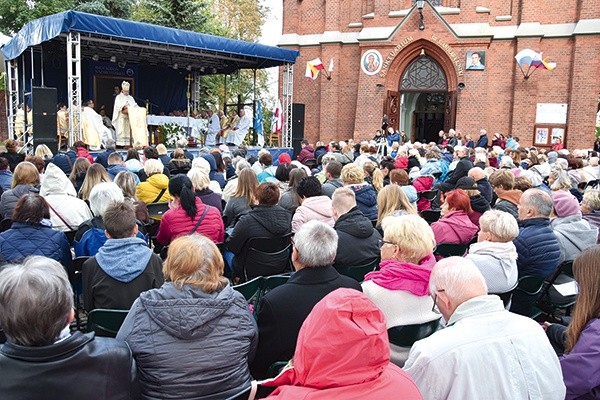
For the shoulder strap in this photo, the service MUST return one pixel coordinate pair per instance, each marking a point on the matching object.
(159, 195)
(200, 220)
(60, 217)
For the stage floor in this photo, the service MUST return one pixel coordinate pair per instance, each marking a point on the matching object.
(252, 150)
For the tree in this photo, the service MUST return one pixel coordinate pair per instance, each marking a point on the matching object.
(192, 15)
(117, 9)
(240, 19)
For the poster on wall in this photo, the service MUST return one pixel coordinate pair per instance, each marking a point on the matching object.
(475, 60)
(370, 62)
(541, 136)
(551, 113)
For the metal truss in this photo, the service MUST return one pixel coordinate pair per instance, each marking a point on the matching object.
(288, 98)
(74, 86)
(196, 85)
(12, 103)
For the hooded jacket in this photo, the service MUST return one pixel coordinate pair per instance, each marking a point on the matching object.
(325, 368)
(313, 208)
(497, 263)
(574, 235)
(357, 240)
(331, 185)
(84, 153)
(454, 227)
(120, 271)
(594, 219)
(11, 197)
(508, 202)
(479, 205)
(214, 175)
(485, 189)
(189, 344)
(306, 153)
(148, 190)
(60, 194)
(366, 200)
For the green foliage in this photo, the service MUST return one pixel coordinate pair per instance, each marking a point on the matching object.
(598, 131)
(192, 15)
(117, 9)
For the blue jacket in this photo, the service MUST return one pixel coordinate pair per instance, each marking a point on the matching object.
(23, 240)
(61, 161)
(214, 175)
(5, 180)
(114, 169)
(537, 248)
(366, 200)
(102, 158)
(482, 142)
(90, 236)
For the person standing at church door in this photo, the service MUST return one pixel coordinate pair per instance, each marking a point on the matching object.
(121, 115)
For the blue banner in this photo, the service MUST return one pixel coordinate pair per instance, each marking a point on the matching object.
(258, 119)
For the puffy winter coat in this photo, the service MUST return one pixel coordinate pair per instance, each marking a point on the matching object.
(11, 197)
(325, 369)
(509, 202)
(462, 169)
(537, 247)
(189, 344)
(65, 161)
(366, 200)
(357, 240)
(497, 263)
(84, 153)
(454, 227)
(149, 190)
(177, 222)
(91, 235)
(23, 240)
(574, 235)
(313, 208)
(102, 158)
(60, 194)
(306, 153)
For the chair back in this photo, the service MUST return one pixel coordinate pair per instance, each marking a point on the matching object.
(106, 322)
(450, 249)
(530, 285)
(5, 224)
(358, 272)
(156, 210)
(266, 256)
(271, 282)
(407, 335)
(70, 236)
(251, 289)
(430, 216)
(429, 195)
(310, 163)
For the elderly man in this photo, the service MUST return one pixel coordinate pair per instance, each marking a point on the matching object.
(357, 239)
(40, 356)
(123, 102)
(102, 158)
(483, 139)
(485, 352)
(240, 129)
(283, 310)
(537, 246)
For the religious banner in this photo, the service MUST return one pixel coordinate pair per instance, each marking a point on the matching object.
(371, 62)
(139, 128)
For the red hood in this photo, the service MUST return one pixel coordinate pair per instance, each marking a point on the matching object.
(342, 342)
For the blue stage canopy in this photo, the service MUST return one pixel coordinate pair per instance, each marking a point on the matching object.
(162, 44)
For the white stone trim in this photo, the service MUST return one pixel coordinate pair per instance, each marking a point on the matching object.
(472, 30)
(378, 33)
(587, 27)
(504, 18)
(369, 16)
(355, 25)
(529, 29)
(482, 10)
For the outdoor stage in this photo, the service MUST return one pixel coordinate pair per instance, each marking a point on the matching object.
(252, 150)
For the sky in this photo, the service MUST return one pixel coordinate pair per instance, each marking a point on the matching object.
(271, 33)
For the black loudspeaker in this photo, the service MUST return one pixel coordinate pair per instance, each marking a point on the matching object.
(43, 104)
(297, 127)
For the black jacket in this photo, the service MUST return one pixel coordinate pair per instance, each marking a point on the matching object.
(104, 368)
(102, 158)
(357, 240)
(462, 169)
(479, 204)
(13, 159)
(283, 310)
(100, 290)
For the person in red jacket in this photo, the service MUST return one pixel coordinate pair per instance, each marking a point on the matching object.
(306, 153)
(187, 214)
(455, 226)
(355, 365)
(82, 151)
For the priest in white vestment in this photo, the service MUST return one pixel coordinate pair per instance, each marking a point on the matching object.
(240, 129)
(214, 126)
(96, 132)
(120, 115)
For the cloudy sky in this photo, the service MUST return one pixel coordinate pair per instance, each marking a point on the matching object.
(271, 32)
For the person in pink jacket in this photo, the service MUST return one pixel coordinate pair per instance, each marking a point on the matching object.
(455, 226)
(314, 205)
(352, 366)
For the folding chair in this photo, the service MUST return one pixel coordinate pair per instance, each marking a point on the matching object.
(551, 297)
(74, 273)
(530, 286)
(358, 272)
(429, 195)
(271, 282)
(156, 210)
(266, 256)
(251, 291)
(450, 249)
(106, 322)
(407, 335)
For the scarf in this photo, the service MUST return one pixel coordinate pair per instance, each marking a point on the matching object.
(124, 259)
(398, 275)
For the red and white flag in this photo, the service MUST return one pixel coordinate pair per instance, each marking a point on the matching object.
(313, 67)
(277, 122)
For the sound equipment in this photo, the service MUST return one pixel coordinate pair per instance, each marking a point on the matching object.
(43, 104)
(297, 127)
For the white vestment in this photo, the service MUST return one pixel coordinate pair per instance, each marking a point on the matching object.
(94, 131)
(237, 136)
(121, 120)
(214, 126)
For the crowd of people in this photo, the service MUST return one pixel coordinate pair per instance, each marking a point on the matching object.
(509, 212)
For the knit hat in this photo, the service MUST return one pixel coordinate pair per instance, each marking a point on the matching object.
(466, 183)
(565, 204)
(284, 158)
(552, 156)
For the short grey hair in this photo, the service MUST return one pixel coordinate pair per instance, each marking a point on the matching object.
(460, 149)
(539, 200)
(343, 200)
(240, 164)
(500, 224)
(199, 178)
(591, 198)
(103, 195)
(110, 144)
(316, 244)
(35, 301)
(153, 166)
(459, 278)
(202, 163)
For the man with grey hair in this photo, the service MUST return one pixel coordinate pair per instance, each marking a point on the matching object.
(482, 183)
(537, 246)
(485, 352)
(102, 158)
(283, 310)
(40, 356)
(357, 238)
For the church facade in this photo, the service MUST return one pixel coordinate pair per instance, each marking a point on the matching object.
(449, 64)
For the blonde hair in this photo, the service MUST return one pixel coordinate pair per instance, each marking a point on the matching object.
(500, 224)
(96, 174)
(161, 149)
(125, 180)
(392, 198)
(25, 174)
(411, 234)
(153, 166)
(375, 173)
(199, 178)
(247, 184)
(352, 174)
(559, 180)
(591, 199)
(43, 151)
(195, 260)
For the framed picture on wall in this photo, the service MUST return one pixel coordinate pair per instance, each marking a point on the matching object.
(475, 60)
(541, 136)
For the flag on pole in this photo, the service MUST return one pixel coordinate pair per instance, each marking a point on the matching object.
(541, 63)
(331, 65)
(313, 67)
(258, 124)
(277, 122)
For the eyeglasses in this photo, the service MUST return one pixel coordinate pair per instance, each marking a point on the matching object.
(381, 242)
(434, 308)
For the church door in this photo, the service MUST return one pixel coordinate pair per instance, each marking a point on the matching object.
(392, 109)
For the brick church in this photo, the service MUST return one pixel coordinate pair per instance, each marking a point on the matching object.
(441, 64)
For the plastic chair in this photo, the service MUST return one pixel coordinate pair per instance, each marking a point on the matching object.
(358, 272)
(74, 273)
(275, 368)
(106, 322)
(429, 195)
(243, 395)
(407, 335)
(430, 216)
(531, 286)
(551, 297)
(156, 210)
(271, 282)
(266, 256)
(251, 289)
(450, 249)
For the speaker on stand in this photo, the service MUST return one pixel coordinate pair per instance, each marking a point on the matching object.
(43, 104)
(297, 127)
